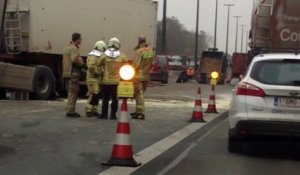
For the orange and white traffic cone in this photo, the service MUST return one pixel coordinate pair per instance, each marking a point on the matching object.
(122, 154)
(212, 102)
(197, 113)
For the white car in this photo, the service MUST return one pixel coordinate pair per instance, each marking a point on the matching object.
(266, 102)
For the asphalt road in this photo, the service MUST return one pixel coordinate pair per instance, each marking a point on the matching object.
(36, 139)
(205, 152)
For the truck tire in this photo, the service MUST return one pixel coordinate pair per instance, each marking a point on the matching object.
(2, 93)
(221, 81)
(43, 83)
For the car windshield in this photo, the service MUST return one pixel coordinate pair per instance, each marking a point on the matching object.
(283, 72)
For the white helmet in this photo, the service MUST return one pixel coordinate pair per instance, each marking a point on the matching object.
(114, 42)
(100, 45)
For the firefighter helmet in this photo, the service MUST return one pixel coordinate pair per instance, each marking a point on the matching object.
(100, 45)
(114, 42)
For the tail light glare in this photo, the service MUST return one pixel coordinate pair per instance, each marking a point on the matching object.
(249, 90)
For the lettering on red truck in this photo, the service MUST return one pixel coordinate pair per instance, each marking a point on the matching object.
(287, 35)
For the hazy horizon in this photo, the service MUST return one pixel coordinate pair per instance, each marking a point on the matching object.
(186, 14)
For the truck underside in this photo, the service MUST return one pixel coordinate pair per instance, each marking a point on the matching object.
(47, 79)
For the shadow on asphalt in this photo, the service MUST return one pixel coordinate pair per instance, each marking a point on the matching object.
(5, 150)
(273, 149)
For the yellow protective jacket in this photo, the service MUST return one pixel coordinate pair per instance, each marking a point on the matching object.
(71, 66)
(94, 71)
(111, 61)
(143, 62)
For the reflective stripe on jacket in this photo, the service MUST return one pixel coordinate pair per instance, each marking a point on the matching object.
(111, 61)
(94, 71)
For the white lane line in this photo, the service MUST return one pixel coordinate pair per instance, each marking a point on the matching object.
(36, 111)
(185, 153)
(159, 147)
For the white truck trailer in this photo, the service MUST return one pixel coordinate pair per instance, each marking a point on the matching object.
(34, 33)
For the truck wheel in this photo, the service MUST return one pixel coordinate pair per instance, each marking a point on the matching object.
(2, 93)
(43, 83)
(235, 145)
(221, 82)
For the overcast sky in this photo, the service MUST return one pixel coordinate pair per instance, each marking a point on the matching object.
(185, 11)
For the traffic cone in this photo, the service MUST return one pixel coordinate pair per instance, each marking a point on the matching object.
(122, 154)
(212, 102)
(198, 114)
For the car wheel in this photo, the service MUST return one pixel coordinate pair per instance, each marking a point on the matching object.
(165, 79)
(2, 93)
(235, 145)
(43, 83)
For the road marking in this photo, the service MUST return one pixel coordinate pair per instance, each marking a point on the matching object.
(185, 153)
(159, 147)
(37, 111)
(177, 160)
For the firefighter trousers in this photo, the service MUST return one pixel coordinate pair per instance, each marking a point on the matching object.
(94, 90)
(73, 91)
(139, 90)
(109, 92)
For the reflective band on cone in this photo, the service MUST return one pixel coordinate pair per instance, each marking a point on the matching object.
(197, 113)
(122, 154)
(212, 102)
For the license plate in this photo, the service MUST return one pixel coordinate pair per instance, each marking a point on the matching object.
(287, 102)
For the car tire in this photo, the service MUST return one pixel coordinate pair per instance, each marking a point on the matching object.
(2, 93)
(43, 83)
(165, 79)
(235, 145)
(165, 82)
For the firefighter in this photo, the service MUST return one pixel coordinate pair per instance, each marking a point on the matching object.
(111, 61)
(143, 62)
(72, 57)
(94, 79)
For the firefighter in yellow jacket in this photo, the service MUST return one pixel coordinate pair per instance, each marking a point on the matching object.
(73, 65)
(111, 61)
(94, 78)
(143, 62)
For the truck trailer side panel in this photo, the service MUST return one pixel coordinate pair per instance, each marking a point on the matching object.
(52, 23)
(239, 64)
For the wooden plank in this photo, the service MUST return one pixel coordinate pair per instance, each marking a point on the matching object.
(16, 77)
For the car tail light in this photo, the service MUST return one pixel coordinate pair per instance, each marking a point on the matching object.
(249, 90)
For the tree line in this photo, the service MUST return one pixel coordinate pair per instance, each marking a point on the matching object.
(181, 41)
